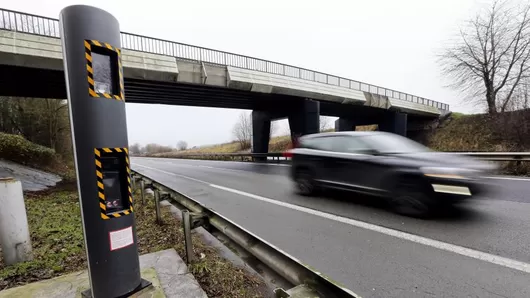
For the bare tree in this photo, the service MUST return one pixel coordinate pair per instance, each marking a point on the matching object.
(40, 120)
(135, 149)
(324, 124)
(182, 145)
(492, 55)
(243, 130)
(57, 117)
(153, 148)
(274, 128)
(521, 96)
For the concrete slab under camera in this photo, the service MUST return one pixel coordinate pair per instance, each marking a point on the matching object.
(164, 269)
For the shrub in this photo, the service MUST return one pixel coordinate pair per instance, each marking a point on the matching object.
(279, 144)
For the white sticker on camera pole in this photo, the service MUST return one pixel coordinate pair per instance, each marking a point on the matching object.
(121, 238)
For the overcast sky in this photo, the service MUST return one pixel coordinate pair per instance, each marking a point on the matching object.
(389, 43)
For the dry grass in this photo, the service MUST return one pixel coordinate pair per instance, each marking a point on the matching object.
(279, 144)
(56, 233)
(466, 133)
(220, 148)
(373, 127)
(276, 144)
(480, 133)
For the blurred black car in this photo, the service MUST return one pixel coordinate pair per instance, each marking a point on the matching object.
(414, 179)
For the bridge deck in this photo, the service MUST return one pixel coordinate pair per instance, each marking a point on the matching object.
(33, 41)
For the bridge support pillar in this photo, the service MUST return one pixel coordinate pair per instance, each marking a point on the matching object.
(344, 124)
(395, 123)
(261, 130)
(305, 119)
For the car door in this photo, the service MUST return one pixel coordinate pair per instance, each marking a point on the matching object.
(315, 156)
(353, 164)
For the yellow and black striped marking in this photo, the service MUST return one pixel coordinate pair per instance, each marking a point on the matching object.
(90, 45)
(123, 153)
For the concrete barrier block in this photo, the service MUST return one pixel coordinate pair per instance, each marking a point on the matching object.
(14, 231)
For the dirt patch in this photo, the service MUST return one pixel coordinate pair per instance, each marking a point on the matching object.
(58, 246)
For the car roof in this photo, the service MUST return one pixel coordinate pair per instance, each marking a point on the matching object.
(343, 133)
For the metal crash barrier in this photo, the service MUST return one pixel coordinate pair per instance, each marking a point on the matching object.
(280, 157)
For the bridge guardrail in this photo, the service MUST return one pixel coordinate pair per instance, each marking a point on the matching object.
(302, 277)
(43, 26)
(278, 157)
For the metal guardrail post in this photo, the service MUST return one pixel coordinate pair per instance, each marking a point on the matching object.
(157, 206)
(142, 191)
(186, 225)
(133, 183)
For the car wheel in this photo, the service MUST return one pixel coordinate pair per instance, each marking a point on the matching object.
(305, 182)
(411, 198)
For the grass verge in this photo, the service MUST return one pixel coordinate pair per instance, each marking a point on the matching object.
(58, 248)
(57, 238)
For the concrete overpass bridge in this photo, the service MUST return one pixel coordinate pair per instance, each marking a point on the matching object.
(165, 72)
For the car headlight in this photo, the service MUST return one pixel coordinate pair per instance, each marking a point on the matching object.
(448, 173)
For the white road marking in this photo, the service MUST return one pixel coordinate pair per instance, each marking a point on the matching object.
(216, 168)
(169, 173)
(208, 167)
(464, 251)
(241, 162)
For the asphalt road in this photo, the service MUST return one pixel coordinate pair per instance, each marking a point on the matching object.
(479, 249)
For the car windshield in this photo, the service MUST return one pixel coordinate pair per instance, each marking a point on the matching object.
(391, 143)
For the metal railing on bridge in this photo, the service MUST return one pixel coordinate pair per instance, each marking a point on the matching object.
(43, 26)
